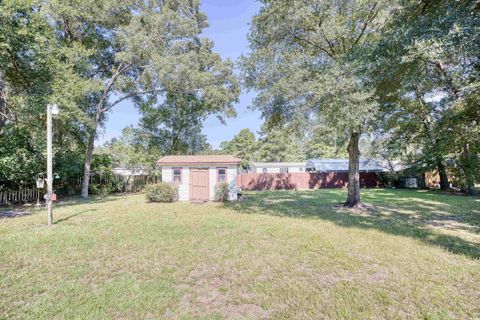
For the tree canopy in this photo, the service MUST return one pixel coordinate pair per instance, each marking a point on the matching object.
(243, 145)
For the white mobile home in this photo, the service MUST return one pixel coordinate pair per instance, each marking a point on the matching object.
(129, 171)
(196, 176)
(341, 165)
(278, 167)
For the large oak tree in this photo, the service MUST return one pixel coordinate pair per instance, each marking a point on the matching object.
(307, 59)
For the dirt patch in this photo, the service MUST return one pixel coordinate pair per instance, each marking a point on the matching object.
(330, 279)
(13, 214)
(451, 224)
(207, 291)
(361, 207)
(377, 277)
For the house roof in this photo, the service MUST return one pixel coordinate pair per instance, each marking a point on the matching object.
(325, 165)
(279, 164)
(199, 159)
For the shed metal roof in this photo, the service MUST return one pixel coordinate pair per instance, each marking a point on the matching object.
(199, 159)
(372, 165)
(278, 164)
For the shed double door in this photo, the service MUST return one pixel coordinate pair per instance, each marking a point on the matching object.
(199, 188)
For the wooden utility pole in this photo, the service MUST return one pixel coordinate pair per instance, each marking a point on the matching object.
(52, 109)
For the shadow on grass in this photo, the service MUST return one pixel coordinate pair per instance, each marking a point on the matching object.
(94, 199)
(28, 208)
(73, 216)
(400, 212)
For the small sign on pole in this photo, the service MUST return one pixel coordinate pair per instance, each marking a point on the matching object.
(40, 183)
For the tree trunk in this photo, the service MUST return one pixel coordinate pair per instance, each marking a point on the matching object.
(2, 103)
(466, 164)
(435, 144)
(353, 199)
(442, 172)
(88, 160)
(101, 109)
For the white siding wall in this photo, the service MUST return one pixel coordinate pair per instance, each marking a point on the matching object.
(232, 173)
(167, 174)
(184, 187)
(231, 179)
(212, 176)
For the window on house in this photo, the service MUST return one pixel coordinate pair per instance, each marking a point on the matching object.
(221, 174)
(264, 170)
(177, 175)
(283, 170)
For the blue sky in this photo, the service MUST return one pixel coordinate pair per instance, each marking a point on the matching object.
(229, 25)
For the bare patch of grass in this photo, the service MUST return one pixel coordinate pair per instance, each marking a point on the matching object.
(207, 292)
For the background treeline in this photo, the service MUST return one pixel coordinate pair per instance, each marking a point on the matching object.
(397, 80)
(274, 144)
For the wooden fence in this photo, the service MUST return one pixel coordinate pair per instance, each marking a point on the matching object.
(128, 184)
(101, 183)
(109, 183)
(16, 196)
(302, 180)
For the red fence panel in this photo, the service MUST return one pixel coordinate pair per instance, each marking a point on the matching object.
(301, 180)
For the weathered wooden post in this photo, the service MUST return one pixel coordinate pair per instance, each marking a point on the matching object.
(52, 109)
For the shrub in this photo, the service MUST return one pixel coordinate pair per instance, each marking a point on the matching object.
(222, 190)
(162, 192)
(388, 179)
(102, 182)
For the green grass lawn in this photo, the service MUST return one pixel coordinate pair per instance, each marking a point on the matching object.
(279, 255)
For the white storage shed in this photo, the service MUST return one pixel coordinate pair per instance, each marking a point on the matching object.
(196, 176)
